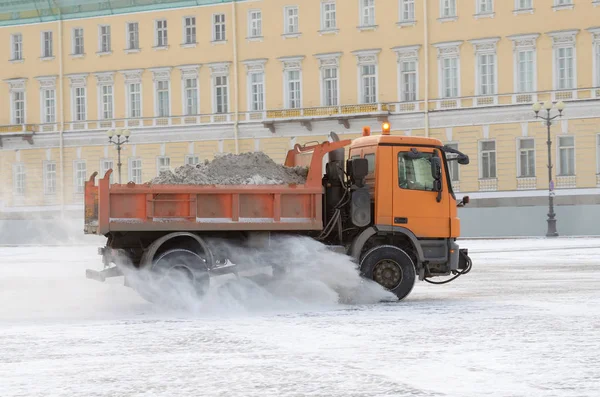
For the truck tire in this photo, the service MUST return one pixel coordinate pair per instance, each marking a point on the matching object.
(175, 276)
(390, 267)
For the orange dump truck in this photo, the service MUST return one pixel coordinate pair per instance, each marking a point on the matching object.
(390, 206)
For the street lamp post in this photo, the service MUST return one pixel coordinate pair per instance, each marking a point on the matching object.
(560, 106)
(118, 143)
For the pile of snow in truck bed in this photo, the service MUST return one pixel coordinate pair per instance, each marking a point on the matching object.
(229, 169)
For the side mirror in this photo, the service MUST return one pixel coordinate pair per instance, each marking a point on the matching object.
(436, 167)
(463, 159)
(357, 170)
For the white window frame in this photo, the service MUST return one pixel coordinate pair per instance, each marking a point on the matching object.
(452, 6)
(128, 101)
(21, 119)
(559, 168)
(220, 70)
(449, 50)
(560, 40)
(255, 24)
(481, 152)
(325, 13)
(563, 5)
(291, 29)
(534, 153)
(160, 76)
(407, 54)
(220, 27)
(481, 4)
(159, 111)
(77, 50)
(598, 154)
(136, 34)
(367, 58)
(163, 167)
(189, 31)
(258, 105)
(104, 167)
(79, 176)
(131, 169)
(44, 105)
(44, 54)
(19, 179)
(519, 8)
(327, 100)
(161, 33)
(329, 61)
(102, 97)
(49, 188)
(16, 51)
(74, 112)
(292, 64)
(367, 13)
(104, 46)
(403, 5)
(596, 59)
(195, 159)
(191, 110)
(293, 103)
(487, 48)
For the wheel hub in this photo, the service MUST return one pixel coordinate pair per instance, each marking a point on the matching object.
(388, 274)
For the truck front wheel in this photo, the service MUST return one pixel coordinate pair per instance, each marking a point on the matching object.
(390, 267)
(175, 276)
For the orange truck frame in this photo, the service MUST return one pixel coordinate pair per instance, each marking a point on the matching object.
(390, 206)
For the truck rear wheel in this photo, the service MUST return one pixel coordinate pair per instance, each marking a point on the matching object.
(175, 276)
(390, 267)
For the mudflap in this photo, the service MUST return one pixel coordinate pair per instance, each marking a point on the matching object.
(464, 261)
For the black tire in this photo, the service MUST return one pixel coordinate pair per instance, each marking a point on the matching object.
(390, 267)
(175, 276)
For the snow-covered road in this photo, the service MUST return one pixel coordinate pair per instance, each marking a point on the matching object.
(524, 322)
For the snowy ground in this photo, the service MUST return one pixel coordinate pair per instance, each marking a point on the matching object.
(524, 322)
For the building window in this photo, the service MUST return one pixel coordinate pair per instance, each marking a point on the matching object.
(135, 100)
(47, 45)
(255, 23)
(447, 8)
(79, 103)
(368, 78)
(563, 2)
(330, 86)
(598, 154)
(78, 41)
(19, 179)
(450, 77)
(526, 158)
(18, 103)
(257, 90)
(221, 94)
(79, 176)
(50, 178)
(328, 15)
(294, 89)
(135, 170)
(190, 30)
(191, 96)
(407, 10)
(487, 74)
(16, 47)
(107, 101)
(453, 167)
(105, 44)
(367, 12)
(566, 155)
(488, 159)
(161, 33)
(191, 159)
(105, 165)
(219, 27)
(133, 36)
(163, 164)
(291, 22)
(485, 6)
(565, 68)
(523, 4)
(49, 107)
(162, 98)
(525, 71)
(408, 80)
(597, 57)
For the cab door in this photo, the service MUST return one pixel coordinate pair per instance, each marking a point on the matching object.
(415, 204)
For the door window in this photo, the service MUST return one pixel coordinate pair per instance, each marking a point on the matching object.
(414, 171)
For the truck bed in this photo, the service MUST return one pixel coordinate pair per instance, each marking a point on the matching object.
(131, 207)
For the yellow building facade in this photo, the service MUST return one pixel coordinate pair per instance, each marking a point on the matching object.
(189, 81)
